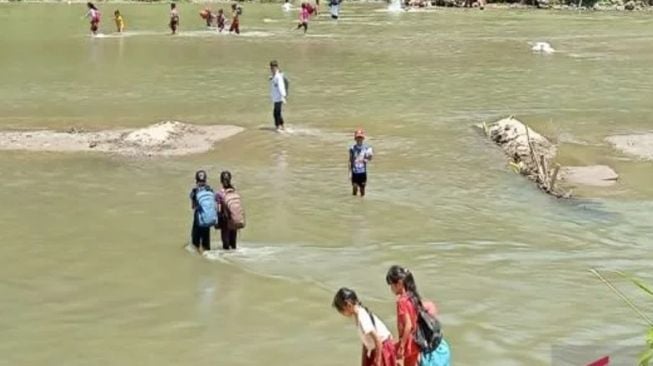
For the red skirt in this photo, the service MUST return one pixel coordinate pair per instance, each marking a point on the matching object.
(388, 355)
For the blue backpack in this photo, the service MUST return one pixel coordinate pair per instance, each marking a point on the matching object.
(207, 208)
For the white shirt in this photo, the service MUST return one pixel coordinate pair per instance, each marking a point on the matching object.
(286, 7)
(277, 87)
(365, 326)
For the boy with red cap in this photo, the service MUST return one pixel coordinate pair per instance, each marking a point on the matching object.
(359, 155)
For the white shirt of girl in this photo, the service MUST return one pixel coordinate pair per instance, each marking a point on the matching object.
(365, 326)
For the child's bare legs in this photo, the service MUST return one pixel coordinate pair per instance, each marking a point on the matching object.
(356, 188)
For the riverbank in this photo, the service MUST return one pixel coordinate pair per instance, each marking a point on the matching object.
(587, 5)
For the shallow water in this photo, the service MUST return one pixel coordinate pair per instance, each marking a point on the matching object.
(93, 266)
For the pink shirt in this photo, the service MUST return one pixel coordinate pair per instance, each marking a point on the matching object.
(94, 15)
(304, 15)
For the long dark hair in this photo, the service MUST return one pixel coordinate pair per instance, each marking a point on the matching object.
(398, 273)
(346, 296)
(91, 5)
(225, 179)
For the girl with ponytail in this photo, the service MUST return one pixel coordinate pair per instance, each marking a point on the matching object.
(228, 233)
(378, 348)
(409, 305)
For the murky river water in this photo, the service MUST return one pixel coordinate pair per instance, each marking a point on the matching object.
(92, 266)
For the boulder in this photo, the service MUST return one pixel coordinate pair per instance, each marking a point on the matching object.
(533, 156)
(595, 175)
(531, 153)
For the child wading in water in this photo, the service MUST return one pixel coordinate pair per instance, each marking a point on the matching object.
(232, 215)
(359, 155)
(94, 15)
(174, 18)
(205, 212)
(409, 307)
(236, 11)
(378, 349)
(334, 7)
(220, 20)
(304, 14)
(208, 16)
(120, 23)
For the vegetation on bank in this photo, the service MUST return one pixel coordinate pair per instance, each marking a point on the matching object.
(647, 355)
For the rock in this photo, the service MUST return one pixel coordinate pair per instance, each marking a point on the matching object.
(531, 153)
(595, 175)
(630, 6)
(639, 145)
(92, 144)
(535, 159)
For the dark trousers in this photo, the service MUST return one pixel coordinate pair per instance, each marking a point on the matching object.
(228, 238)
(200, 236)
(278, 119)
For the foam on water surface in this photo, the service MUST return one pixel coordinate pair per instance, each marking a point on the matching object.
(128, 34)
(290, 262)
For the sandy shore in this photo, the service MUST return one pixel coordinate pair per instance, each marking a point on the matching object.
(161, 139)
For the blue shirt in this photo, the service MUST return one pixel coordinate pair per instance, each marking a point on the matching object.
(357, 156)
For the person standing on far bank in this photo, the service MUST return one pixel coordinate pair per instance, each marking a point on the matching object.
(277, 93)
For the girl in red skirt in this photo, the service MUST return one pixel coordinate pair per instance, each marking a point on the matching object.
(402, 284)
(94, 15)
(378, 348)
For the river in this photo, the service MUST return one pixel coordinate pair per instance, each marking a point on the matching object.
(92, 261)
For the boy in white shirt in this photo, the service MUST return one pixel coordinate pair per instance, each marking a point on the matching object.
(277, 93)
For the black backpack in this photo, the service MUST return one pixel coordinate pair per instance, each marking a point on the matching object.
(428, 334)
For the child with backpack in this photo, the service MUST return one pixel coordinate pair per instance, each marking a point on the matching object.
(236, 12)
(420, 335)
(378, 349)
(232, 214)
(205, 213)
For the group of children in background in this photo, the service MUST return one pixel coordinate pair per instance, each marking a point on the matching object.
(420, 340)
(211, 18)
(217, 20)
